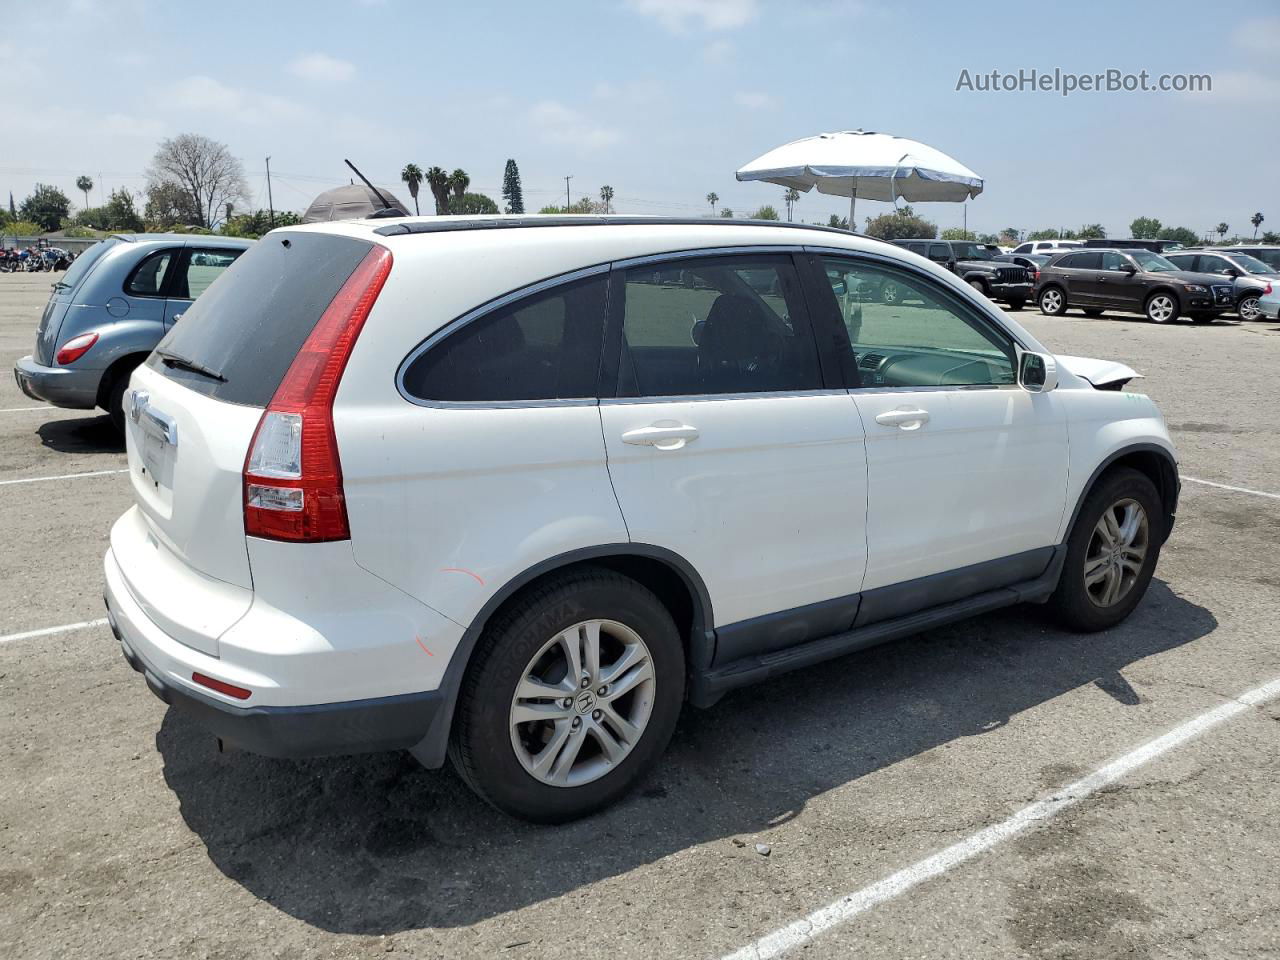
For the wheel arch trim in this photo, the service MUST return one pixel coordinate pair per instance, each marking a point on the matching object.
(1168, 487)
(431, 750)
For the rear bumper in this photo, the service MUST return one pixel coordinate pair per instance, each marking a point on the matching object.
(1270, 308)
(293, 731)
(60, 386)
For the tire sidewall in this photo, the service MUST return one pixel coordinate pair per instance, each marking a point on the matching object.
(1177, 309)
(493, 764)
(1062, 302)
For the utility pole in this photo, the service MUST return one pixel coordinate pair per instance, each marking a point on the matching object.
(271, 208)
(567, 204)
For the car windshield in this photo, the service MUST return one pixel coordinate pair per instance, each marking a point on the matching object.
(974, 251)
(1151, 262)
(1250, 264)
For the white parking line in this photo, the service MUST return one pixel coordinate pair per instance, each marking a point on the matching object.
(65, 476)
(49, 631)
(23, 409)
(1225, 486)
(847, 908)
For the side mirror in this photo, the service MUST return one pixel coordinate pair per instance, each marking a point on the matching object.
(1231, 272)
(1130, 269)
(1037, 372)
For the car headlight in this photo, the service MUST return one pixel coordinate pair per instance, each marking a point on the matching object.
(1194, 288)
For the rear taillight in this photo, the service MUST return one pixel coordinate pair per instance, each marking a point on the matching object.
(75, 348)
(1267, 292)
(292, 475)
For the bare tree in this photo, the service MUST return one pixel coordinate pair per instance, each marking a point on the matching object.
(203, 170)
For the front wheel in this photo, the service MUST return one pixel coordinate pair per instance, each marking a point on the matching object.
(1162, 308)
(1017, 304)
(1248, 308)
(1052, 302)
(979, 286)
(1093, 313)
(1111, 552)
(571, 697)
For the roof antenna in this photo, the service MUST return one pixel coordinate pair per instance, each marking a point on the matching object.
(386, 204)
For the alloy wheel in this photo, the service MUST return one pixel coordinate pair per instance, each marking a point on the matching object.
(1249, 309)
(1161, 308)
(1116, 552)
(582, 703)
(1051, 302)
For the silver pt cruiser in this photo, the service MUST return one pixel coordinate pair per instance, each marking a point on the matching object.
(111, 308)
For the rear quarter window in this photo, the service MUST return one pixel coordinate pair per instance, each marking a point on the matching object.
(249, 327)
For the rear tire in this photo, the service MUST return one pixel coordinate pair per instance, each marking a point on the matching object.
(1017, 304)
(1094, 313)
(1109, 563)
(526, 650)
(115, 401)
(1203, 317)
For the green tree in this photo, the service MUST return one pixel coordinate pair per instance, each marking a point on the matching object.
(765, 213)
(988, 238)
(958, 233)
(22, 228)
(606, 197)
(511, 191)
(458, 183)
(1145, 228)
(585, 205)
(84, 184)
(1256, 220)
(1271, 237)
(901, 224)
(47, 206)
(1221, 230)
(1092, 231)
(1009, 236)
(790, 196)
(713, 199)
(472, 203)
(840, 223)
(726, 213)
(1182, 235)
(1052, 233)
(255, 224)
(412, 176)
(120, 213)
(438, 181)
(169, 205)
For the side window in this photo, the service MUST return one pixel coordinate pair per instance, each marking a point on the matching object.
(1114, 261)
(543, 347)
(715, 326)
(1213, 265)
(905, 331)
(1086, 261)
(199, 269)
(148, 277)
(939, 251)
(1023, 248)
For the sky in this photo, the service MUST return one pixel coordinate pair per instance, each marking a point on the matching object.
(661, 99)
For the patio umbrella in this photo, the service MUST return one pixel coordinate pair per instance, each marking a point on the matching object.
(874, 166)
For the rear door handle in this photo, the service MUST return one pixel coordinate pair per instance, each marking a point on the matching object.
(665, 435)
(906, 418)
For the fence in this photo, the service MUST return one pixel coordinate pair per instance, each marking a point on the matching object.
(76, 245)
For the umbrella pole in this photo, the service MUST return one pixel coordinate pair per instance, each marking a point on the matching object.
(853, 201)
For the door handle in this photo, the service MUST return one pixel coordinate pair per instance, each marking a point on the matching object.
(665, 435)
(904, 417)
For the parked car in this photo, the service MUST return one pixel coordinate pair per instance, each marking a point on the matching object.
(1269, 303)
(1270, 255)
(978, 265)
(1135, 243)
(1251, 277)
(1047, 246)
(1130, 281)
(1032, 262)
(112, 306)
(499, 491)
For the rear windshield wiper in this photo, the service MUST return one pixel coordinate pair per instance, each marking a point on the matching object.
(182, 363)
(60, 284)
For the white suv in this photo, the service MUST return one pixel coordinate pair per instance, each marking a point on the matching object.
(514, 489)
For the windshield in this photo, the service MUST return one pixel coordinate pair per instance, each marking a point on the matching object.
(1151, 262)
(1250, 264)
(80, 268)
(973, 251)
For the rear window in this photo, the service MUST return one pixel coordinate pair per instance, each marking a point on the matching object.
(249, 325)
(82, 264)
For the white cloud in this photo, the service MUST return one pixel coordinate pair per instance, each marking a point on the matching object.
(200, 94)
(1241, 86)
(754, 100)
(633, 93)
(717, 51)
(321, 68)
(677, 15)
(561, 124)
(1259, 36)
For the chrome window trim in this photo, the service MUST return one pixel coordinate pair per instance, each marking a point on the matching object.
(700, 253)
(456, 324)
(702, 397)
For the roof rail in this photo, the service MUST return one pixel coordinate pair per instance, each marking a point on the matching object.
(550, 220)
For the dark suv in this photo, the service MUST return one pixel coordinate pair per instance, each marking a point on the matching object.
(1131, 281)
(977, 265)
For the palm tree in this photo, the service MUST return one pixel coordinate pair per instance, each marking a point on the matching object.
(438, 181)
(606, 196)
(1221, 231)
(84, 185)
(713, 200)
(412, 175)
(791, 196)
(1256, 220)
(458, 182)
